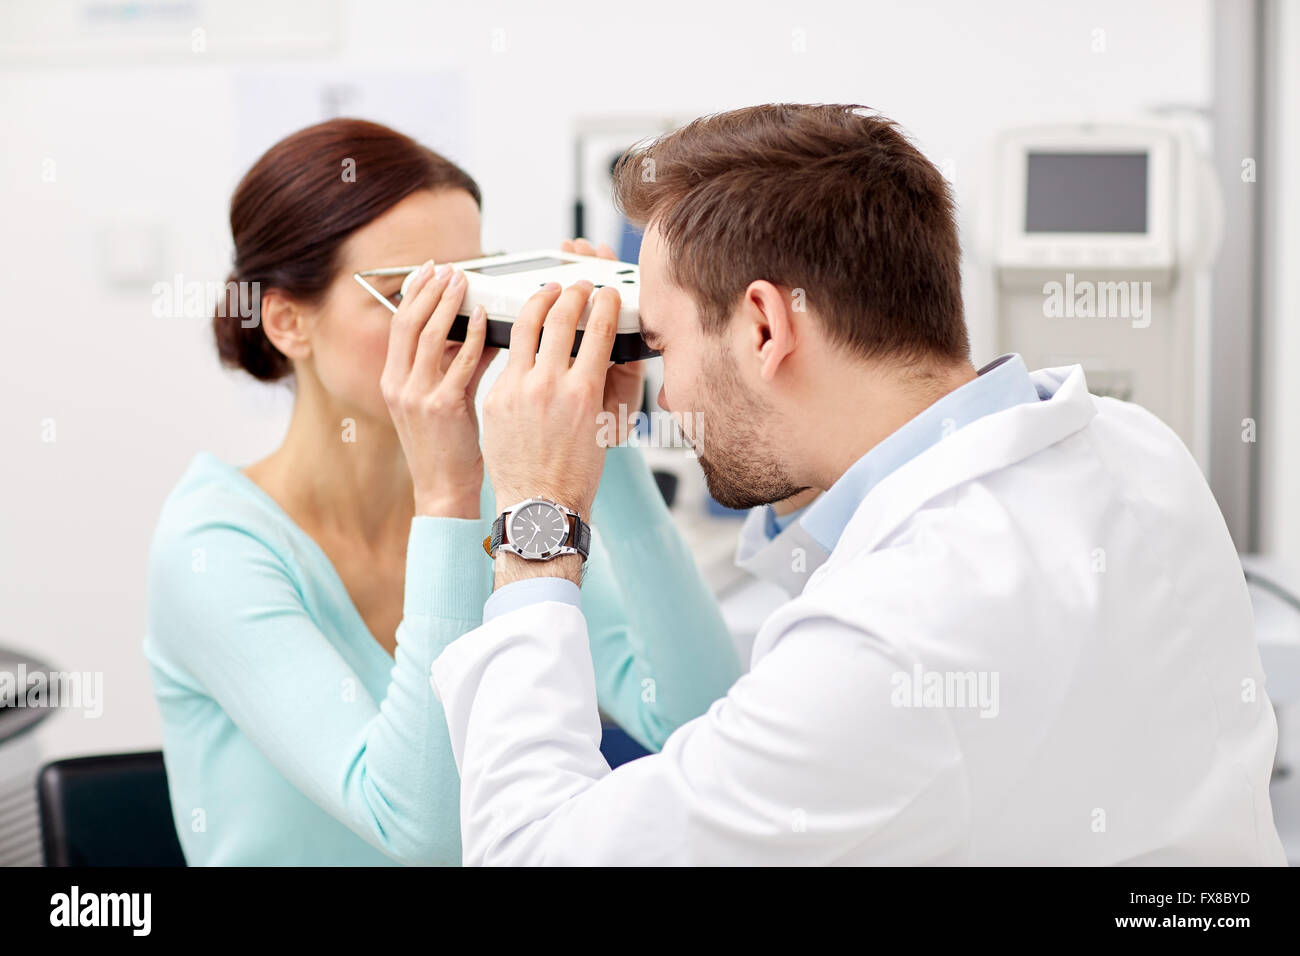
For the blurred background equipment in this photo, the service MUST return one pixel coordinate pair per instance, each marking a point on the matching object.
(598, 143)
(22, 751)
(1106, 235)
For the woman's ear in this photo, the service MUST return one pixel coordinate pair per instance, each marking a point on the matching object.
(285, 325)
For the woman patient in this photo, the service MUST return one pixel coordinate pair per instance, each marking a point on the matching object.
(296, 604)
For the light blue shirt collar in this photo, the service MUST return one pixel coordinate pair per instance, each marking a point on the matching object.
(1002, 384)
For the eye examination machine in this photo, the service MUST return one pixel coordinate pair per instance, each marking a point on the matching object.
(503, 283)
(1104, 238)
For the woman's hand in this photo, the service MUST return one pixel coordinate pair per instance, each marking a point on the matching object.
(429, 384)
(625, 382)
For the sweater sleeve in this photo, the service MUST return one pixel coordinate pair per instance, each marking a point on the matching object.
(238, 628)
(660, 648)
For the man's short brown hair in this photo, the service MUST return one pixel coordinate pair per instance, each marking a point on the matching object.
(824, 198)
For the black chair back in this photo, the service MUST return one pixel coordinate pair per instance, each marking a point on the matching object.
(109, 810)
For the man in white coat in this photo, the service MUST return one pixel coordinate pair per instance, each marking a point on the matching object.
(1024, 636)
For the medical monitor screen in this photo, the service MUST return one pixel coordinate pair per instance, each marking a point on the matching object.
(1086, 192)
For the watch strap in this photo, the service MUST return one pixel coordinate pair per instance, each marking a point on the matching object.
(494, 541)
(581, 536)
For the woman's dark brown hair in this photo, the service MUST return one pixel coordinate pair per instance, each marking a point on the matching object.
(293, 210)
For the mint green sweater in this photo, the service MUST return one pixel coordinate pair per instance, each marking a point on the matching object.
(291, 737)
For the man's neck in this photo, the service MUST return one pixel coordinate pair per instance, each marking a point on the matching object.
(888, 400)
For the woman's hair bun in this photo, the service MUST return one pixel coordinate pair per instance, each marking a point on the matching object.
(244, 344)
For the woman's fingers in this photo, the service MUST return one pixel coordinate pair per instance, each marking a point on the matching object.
(583, 247)
(463, 366)
(426, 370)
(408, 325)
(484, 361)
(402, 332)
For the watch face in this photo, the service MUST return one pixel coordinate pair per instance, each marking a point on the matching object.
(538, 528)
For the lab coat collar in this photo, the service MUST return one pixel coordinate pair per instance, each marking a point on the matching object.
(986, 445)
(1001, 384)
(786, 560)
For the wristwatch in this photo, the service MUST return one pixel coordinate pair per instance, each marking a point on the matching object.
(539, 529)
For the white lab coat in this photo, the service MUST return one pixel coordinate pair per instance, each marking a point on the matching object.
(1066, 554)
(787, 560)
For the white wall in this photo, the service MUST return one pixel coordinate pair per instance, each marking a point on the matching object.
(133, 397)
(1279, 435)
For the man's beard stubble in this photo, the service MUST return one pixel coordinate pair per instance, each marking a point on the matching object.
(739, 466)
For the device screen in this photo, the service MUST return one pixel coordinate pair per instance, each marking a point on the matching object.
(523, 265)
(1086, 192)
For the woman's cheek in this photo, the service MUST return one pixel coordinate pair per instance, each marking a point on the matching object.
(377, 347)
(362, 358)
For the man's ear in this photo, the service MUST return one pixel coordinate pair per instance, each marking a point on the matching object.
(285, 325)
(772, 324)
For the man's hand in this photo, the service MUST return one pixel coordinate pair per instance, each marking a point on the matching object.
(540, 420)
(624, 383)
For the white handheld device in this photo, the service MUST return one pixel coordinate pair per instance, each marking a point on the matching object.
(503, 283)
